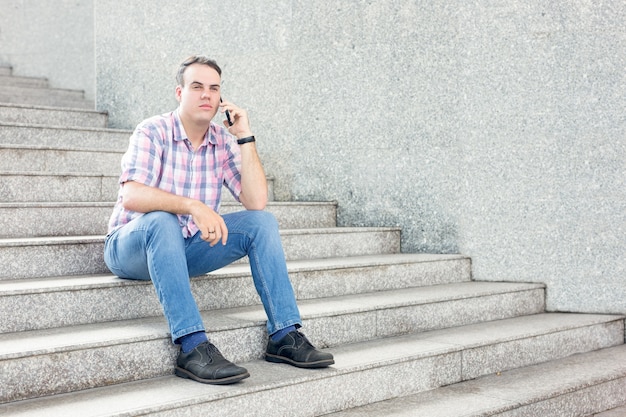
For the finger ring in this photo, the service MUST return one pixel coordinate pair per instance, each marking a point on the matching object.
(212, 231)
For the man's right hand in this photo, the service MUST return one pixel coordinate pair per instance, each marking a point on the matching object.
(210, 223)
(144, 199)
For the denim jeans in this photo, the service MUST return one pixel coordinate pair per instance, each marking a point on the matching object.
(153, 247)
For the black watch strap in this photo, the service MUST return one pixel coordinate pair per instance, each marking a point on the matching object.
(247, 139)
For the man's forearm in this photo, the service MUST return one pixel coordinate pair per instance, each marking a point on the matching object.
(145, 199)
(253, 182)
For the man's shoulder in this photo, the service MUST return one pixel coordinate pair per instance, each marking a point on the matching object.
(162, 127)
(159, 120)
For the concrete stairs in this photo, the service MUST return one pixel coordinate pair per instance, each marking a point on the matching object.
(412, 334)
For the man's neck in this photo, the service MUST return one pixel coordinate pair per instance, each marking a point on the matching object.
(195, 131)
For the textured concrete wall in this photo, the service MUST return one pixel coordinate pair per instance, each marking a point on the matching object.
(492, 128)
(51, 39)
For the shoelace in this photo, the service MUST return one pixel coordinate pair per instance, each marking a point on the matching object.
(302, 337)
(213, 350)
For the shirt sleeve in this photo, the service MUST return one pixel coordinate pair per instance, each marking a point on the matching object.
(142, 161)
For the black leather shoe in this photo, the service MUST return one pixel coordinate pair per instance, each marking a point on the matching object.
(295, 349)
(206, 364)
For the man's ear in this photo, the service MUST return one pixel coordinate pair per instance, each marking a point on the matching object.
(179, 90)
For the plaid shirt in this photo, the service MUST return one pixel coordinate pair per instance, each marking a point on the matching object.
(160, 155)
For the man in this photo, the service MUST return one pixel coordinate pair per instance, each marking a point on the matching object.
(165, 226)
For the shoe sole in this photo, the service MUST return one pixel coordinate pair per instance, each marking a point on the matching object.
(183, 373)
(310, 365)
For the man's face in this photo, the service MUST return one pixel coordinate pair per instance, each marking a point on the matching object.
(199, 98)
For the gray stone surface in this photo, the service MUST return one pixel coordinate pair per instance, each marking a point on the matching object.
(491, 130)
(573, 386)
(82, 138)
(494, 131)
(45, 159)
(42, 115)
(68, 301)
(78, 255)
(52, 39)
(616, 412)
(50, 219)
(42, 187)
(413, 364)
(92, 218)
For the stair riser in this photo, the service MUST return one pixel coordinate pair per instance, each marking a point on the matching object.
(541, 390)
(93, 220)
(75, 306)
(40, 93)
(359, 280)
(582, 402)
(54, 220)
(52, 117)
(70, 187)
(356, 388)
(13, 81)
(314, 246)
(398, 321)
(46, 188)
(53, 101)
(46, 259)
(114, 140)
(59, 372)
(516, 354)
(42, 375)
(60, 161)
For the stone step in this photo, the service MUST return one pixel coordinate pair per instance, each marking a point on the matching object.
(71, 187)
(365, 371)
(81, 255)
(35, 186)
(16, 158)
(51, 116)
(584, 384)
(56, 97)
(63, 137)
(74, 219)
(8, 80)
(328, 322)
(615, 412)
(68, 301)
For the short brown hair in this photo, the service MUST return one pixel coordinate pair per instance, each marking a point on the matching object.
(196, 59)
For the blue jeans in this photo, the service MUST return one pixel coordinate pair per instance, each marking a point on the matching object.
(153, 247)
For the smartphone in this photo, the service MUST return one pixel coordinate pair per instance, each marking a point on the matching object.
(230, 121)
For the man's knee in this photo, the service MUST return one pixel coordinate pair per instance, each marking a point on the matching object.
(264, 218)
(263, 222)
(252, 221)
(161, 219)
(159, 224)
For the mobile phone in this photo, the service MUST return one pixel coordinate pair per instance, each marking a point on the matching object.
(230, 121)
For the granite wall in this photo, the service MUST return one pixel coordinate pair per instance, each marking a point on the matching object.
(492, 128)
(52, 39)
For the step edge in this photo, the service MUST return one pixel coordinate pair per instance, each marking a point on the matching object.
(71, 128)
(203, 394)
(53, 108)
(42, 285)
(60, 240)
(246, 317)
